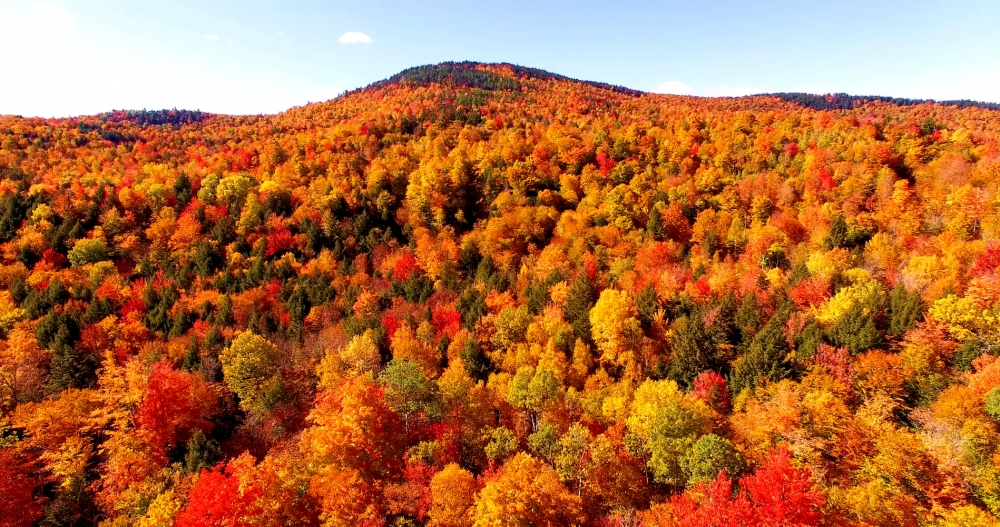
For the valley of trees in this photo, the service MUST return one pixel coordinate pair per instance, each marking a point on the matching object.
(484, 295)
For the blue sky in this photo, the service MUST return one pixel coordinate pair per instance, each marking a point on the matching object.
(70, 57)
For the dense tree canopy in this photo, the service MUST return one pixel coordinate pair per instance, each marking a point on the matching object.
(485, 295)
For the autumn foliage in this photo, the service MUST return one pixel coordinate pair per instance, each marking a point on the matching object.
(484, 295)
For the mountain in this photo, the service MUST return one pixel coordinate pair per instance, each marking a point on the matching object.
(477, 75)
(486, 76)
(843, 101)
(483, 294)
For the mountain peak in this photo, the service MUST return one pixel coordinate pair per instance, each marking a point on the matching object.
(486, 76)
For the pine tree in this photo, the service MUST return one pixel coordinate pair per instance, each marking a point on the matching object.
(579, 301)
(655, 223)
(905, 308)
(765, 357)
(692, 354)
(647, 304)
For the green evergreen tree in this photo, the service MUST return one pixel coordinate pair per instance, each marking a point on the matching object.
(857, 329)
(749, 318)
(809, 340)
(839, 235)
(192, 360)
(655, 223)
(647, 304)
(224, 315)
(180, 324)
(202, 452)
(905, 308)
(68, 368)
(476, 362)
(579, 301)
(765, 357)
(472, 306)
(691, 352)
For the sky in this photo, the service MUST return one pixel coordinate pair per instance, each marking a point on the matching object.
(72, 57)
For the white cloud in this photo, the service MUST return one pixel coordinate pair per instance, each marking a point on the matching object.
(53, 16)
(728, 91)
(354, 37)
(213, 38)
(674, 88)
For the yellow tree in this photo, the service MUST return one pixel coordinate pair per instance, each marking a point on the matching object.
(615, 328)
(452, 496)
(22, 367)
(354, 446)
(405, 346)
(361, 354)
(250, 368)
(526, 492)
(666, 422)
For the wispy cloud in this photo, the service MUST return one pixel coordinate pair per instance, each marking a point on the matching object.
(354, 37)
(213, 38)
(674, 88)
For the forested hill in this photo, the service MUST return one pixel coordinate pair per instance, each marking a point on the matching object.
(484, 76)
(843, 101)
(506, 77)
(476, 295)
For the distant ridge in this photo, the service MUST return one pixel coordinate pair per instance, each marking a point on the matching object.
(843, 101)
(492, 77)
(471, 74)
(156, 117)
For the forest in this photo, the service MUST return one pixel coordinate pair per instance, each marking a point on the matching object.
(481, 295)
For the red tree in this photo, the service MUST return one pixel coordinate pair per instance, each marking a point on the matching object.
(18, 505)
(777, 495)
(217, 499)
(405, 267)
(988, 261)
(176, 405)
(279, 240)
(447, 321)
(710, 387)
(705, 505)
(810, 292)
(605, 163)
(781, 494)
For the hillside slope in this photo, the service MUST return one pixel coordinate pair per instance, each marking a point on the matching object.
(491, 295)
